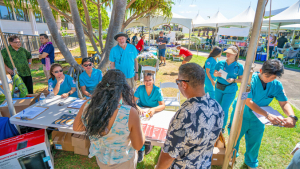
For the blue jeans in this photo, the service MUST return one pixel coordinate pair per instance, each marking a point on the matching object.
(271, 48)
(295, 163)
(162, 52)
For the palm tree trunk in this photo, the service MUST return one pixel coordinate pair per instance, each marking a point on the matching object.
(89, 26)
(100, 26)
(78, 27)
(46, 10)
(117, 17)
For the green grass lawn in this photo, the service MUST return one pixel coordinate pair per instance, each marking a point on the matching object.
(274, 153)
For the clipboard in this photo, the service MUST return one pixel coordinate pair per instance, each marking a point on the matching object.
(20, 114)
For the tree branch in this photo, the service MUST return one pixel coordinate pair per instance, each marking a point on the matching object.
(134, 16)
(93, 2)
(130, 3)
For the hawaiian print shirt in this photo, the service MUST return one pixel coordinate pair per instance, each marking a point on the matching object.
(193, 132)
(20, 59)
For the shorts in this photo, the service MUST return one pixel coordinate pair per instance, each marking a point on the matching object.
(162, 52)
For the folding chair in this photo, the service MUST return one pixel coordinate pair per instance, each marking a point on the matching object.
(279, 51)
(171, 101)
(168, 53)
(147, 68)
(292, 57)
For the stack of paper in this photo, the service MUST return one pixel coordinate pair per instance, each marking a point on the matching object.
(77, 104)
(270, 110)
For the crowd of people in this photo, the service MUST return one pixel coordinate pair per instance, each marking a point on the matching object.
(111, 115)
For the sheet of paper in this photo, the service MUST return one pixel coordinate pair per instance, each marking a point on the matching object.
(77, 104)
(224, 74)
(269, 109)
(31, 113)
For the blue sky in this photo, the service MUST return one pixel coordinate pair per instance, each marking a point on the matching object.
(229, 8)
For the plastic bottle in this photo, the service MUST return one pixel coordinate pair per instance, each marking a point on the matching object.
(42, 99)
(51, 93)
(16, 93)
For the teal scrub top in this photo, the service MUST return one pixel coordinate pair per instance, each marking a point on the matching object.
(234, 70)
(148, 101)
(124, 59)
(263, 97)
(90, 82)
(210, 63)
(65, 86)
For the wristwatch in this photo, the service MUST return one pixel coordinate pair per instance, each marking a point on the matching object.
(294, 117)
(69, 94)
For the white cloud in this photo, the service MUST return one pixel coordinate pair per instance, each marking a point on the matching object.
(192, 6)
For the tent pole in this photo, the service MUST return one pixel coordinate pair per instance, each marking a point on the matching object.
(5, 85)
(268, 45)
(189, 38)
(238, 114)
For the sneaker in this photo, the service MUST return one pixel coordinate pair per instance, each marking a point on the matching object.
(141, 156)
(223, 130)
(161, 63)
(148, 148)
(164, 64)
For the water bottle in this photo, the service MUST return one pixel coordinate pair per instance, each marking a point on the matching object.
(42, 99)
(16, 93)
(51, 93)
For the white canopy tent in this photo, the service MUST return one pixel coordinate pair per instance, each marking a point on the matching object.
(289, 16)
(291, 27)
(198, 20)
(152, 21)
(213, 21)
(245, 18)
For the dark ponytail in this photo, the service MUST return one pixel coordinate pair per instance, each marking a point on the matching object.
(213, 53)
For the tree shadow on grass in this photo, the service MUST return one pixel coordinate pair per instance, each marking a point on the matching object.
(171, 74)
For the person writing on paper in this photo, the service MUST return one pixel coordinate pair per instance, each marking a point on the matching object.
(209, 68)
(195, 127)
(151, 96)
(111, 120)
(90, 78)
(226, 86)
(185, 53)
(264, 88)
(62, 84)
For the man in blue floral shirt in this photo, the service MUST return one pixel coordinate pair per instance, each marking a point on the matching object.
(195, 127)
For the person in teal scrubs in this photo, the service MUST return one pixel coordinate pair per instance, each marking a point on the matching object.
(90, 78)
(226, 88)
(264, 88)
(209, 68)
(148, 95)
(62, 84)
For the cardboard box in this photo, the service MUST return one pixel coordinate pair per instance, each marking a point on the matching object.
(19, 104)
(81, 151)
(10, 85)
(30, 150)
(81, 144)
(218, 156)
(80, 141)
(63, 141)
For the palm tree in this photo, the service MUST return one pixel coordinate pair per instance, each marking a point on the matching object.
(78, 27)
(44, 5)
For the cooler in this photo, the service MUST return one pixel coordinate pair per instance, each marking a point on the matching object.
(263, 57)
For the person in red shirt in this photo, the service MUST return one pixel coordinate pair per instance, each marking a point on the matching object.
(140, 44)
(185, 53)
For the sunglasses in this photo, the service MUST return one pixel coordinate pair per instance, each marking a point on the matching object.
(86, 65)
(178, 81)
(58, 71)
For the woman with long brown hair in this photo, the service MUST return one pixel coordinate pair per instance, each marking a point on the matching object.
(209, 68)
(62, 84)
(226, 87)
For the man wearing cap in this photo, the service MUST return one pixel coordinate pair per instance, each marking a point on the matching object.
(123, 57)
(185, 53)
(162, 41)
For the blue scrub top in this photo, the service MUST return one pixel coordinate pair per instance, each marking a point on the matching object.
(210, 63)
(148, 101)
(234, 70)
(65, 86)
(50, 50)
(90, 82)
(263, 97)
(124, 59)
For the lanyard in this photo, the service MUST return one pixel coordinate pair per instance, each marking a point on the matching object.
(120, 50)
